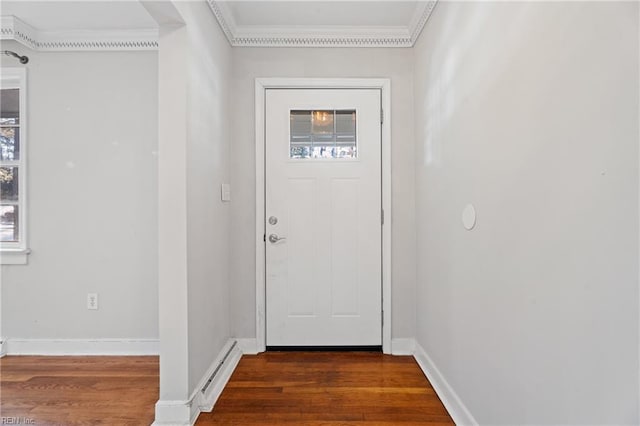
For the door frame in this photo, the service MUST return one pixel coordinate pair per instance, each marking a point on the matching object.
(261, 85)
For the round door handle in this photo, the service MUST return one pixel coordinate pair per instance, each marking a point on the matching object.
(273, 238)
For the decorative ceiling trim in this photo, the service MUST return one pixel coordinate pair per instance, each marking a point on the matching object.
(416, 27)
(322, 41)
(321, 37)
(215, 9)
(12, 28)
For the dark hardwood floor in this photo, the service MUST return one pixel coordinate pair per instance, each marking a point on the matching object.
(69, 390)
(274, 388)
(327, 388)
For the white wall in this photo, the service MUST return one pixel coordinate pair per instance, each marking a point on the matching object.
(194, 69)
(92, 198)
(530, 112)
(251, 63)
(208, 220)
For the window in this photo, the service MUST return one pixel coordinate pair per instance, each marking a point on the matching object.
(323, 134)
(13, 232)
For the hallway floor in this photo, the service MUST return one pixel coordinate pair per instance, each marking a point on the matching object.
(327, 388)
(274, 388)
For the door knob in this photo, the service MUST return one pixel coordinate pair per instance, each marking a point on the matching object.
(273, 238)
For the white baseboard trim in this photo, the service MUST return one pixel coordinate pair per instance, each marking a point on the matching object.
(81, 346)
(3, 347)
(173, 413)
(209, 397)
(452, 402)
(403, 346)
(185, 413)
(248, 346)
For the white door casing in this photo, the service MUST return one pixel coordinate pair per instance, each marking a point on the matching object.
(324, 274)
(261, 86)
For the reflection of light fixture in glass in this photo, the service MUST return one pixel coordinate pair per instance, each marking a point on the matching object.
(322, 122)
(321, 116)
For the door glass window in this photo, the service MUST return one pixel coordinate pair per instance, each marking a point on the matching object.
(323, 134)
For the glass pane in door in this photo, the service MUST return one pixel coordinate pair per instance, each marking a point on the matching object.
(323, 134)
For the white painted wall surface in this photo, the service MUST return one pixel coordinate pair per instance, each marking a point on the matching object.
(530, 112)
(208, 218)
(92, 198)
(172, 216)
(251, 63)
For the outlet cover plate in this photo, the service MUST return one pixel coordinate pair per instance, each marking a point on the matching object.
(92, 301)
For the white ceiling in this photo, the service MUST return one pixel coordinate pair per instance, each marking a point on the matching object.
(55, 24)
(49, 16)
(395, 23)
(322, 13)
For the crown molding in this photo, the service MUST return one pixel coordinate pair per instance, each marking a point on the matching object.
(12, 28)
(320, 40)
(224, 23)
(420, 19)
(254, 36)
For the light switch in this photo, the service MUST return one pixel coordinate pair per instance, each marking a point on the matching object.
(226, 192)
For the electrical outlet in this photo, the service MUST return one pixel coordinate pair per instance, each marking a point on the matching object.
(92, 301)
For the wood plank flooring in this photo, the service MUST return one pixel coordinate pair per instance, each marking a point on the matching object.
(327, 388)
(69, 390)
(274, 388)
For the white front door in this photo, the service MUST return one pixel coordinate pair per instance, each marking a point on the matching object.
(323, 217)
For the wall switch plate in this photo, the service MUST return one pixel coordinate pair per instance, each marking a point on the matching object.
(92, 301)
(226, 192)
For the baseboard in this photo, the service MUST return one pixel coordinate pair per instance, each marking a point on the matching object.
(173, 413)
(452, 402)
(81, 347)
(3, 347)
(248, 346)
(227, 365)
(205, 395)
(403, 346)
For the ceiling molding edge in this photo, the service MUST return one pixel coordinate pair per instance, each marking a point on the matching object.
(371, 37)
(215, 9)
(12, 28)
(419, 25)
(303, 40)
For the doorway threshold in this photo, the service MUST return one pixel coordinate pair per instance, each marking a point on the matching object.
(374, 348)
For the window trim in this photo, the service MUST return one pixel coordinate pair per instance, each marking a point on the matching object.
(15, 253)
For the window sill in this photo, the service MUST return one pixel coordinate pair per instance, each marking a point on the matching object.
(14, 257)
